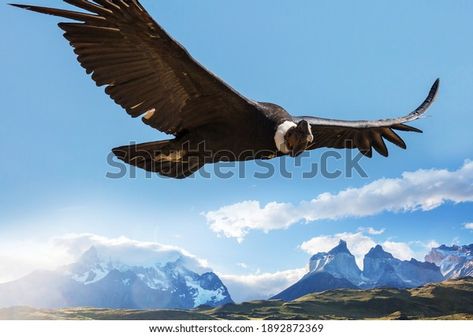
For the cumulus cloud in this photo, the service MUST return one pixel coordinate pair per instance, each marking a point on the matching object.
(399, 250)
(128, 251)
(432, 244)
(237, 219)
(469, 226)
(359, 243)
(422, 190)
(371, 231)
(58, 251)
(423, 246)
(260, 285)
(264, 285)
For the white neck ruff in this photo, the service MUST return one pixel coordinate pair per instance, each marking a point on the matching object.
(279, 139)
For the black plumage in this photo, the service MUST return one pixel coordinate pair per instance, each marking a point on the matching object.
(152, 76)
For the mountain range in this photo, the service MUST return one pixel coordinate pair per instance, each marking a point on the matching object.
(338, 269)
(103, 278)
(100, 279)
(448, 300)
(454, 262)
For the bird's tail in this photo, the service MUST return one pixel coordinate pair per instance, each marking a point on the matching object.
(162, 157)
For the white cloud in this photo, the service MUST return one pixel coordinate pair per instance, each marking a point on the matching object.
(469, 226)
(357, 243)
(360, 243)
(237, 219)
(260, 285)
(425, 246)
(422, 190)
(399, 250)
(432, 244)
(128, 251)
(19, 259)
(264, 285)
(371, 231)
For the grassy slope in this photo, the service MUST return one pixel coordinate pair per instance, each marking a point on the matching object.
(448, 300)
(26, 313)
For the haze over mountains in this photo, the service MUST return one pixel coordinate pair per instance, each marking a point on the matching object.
(104, 279)
(448, 300)
(107, 277)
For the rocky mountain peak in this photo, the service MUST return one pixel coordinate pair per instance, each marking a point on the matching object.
(106, 277)
(454, 261)
(340, 248)
(379, 252)
(338, 262)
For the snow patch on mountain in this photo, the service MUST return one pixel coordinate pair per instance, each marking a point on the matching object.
(338, 262)
(104, 279)
(454, 261)
(90, 247)
(383, 270)
(338, 269)
(203, 296)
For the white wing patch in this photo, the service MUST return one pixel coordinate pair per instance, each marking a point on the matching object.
(175, 156)
(311, 136)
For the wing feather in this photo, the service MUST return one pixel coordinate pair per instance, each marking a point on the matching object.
(366, 135)
(143, 68)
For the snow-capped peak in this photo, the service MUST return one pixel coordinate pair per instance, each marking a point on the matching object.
(171, 279)
(454, 261)
(340, 248)
(379, 252)
(338, 262)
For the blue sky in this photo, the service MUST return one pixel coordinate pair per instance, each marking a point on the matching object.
(338, 59)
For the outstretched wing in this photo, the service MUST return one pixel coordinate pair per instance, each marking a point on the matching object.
(363, 134)
(144, 69)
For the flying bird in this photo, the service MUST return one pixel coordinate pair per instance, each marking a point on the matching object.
(150, 75)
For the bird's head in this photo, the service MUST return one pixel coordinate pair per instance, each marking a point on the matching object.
(298, 138)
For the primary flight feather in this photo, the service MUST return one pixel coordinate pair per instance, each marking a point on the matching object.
(151, 75)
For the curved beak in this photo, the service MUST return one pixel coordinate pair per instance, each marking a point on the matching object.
(299, 148)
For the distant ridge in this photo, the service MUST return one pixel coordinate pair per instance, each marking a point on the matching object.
(103, 279)
(337, 269)
(449, 300)
(454, 261)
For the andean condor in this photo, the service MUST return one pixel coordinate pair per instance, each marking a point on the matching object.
(151, 75)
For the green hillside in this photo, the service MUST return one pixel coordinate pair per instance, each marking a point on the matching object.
(448, 300)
